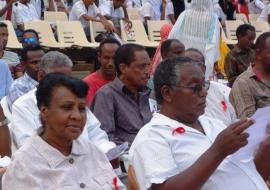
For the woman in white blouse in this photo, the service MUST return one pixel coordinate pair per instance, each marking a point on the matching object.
(55, 158)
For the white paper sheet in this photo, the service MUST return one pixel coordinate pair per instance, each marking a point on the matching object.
(117, 151)
(257, 133)
(4, 162)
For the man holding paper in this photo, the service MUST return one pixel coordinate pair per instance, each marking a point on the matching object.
(180, 148)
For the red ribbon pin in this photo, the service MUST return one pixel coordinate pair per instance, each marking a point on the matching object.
(115, 183)
(224, 105)
(179, 130)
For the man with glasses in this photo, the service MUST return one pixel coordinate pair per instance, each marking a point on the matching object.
(218, 104)
(30, 38)
(180, 147)
(31, 57)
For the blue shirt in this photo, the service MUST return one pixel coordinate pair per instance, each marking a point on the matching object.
(5, 79)
(20, 87)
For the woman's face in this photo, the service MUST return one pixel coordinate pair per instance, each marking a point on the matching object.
(65, 117)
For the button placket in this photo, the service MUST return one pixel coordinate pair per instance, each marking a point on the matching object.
(71, 160)
(82, 185)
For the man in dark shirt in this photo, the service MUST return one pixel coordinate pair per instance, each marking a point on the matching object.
(241, 56)
(122, 106)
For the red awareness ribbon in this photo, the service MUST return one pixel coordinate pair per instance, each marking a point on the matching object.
(179, 130)
(224, 105)
(115, 183)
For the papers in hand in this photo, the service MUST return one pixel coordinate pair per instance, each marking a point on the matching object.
(117, 151)
(257, 133)
(4, 162)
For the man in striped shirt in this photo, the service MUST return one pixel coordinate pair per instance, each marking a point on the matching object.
(9, 57)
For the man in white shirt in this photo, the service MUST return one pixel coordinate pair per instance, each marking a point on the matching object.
(86, 10)
(180, 148)
(157, 10)
(265, 14)
(25, 116)
(115, 11)
(40, 6)
(24, 11)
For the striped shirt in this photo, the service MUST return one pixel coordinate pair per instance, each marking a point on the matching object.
(13, 62)
(20, 87)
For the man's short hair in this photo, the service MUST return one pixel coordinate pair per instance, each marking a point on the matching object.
(108, 41)
(167, 73)
(25, 50)
(242, 30)
(125, 55)
(53, 80)
(30, 31)
(3, 25)
(54, 59)
(165, 46)
(260, 42)
(196, 51)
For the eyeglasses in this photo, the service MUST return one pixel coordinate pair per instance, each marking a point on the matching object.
(197, 88)
(31, 40)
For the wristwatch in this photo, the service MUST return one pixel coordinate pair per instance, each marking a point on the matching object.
(3, 123)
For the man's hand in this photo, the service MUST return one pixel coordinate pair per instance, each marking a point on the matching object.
(262, 158)
(232, 138)
(109, 27)
(2, 171)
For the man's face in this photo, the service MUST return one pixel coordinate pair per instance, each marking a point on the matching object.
(4, 36)
(248, 39)
(29, 38)
(118, 3)
(187, 103)
(32, 63)
(106, 58)
(176, 49)
(138, 72)
(197, 57)
(264, 55)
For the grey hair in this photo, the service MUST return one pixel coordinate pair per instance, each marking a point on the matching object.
(54, 59)
(168, 73)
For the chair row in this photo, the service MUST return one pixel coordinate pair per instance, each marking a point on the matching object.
(252, 17)
(53, 16)
(71, 34)
(229, 35)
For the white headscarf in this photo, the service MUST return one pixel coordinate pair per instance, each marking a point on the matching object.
(196, 28)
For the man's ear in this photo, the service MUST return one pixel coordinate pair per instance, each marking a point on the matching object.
(167, 93)
(40, 75)
(43, 113)
(123, 68)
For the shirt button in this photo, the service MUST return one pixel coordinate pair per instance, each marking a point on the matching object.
(71, 160)
(82, 185)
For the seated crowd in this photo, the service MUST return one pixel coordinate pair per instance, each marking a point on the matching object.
(138, 121)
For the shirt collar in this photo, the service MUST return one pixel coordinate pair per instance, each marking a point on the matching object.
(54, 156)
(122, 88)
(21, 4)
(250, 73)
(162, 120)
(30, 79)
(238, 50)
